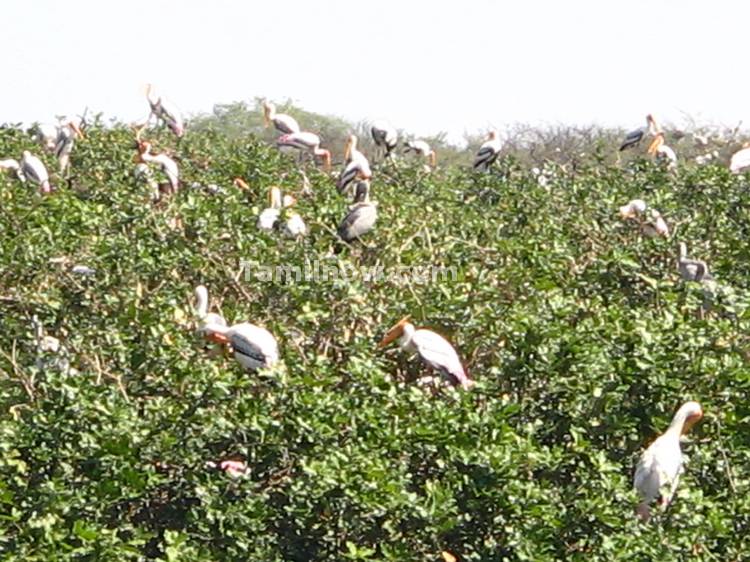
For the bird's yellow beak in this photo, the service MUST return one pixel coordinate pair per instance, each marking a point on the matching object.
(394, 332)
(656, 143)
(217, 338)
(266, 114)
(348, 149)
(433, 159)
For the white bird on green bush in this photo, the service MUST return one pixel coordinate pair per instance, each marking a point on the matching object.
(269, 218)
(254, 347)
(659, 467)
(653, 225)
(166, 164)
(66, 136)
(436, 352)
(362, 215)
(488, 152)
(35, 170)
(283, 123)
(422, 149)
(12, 164)
(303, 143)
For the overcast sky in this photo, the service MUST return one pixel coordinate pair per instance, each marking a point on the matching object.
(426, 66)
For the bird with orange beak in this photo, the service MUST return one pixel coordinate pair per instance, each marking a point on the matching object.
(633, 138)
(436, 352)
(662, 152)
(356, 168)
(658, 472)
(304, 143)
(283, 123)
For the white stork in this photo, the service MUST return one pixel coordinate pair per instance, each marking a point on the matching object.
(633, 138)
(385, 136)
(362, 215)
(283, 123)
(304, 142)
(12, 164)
(659, 467)
(652, 225)
(163, 109)
(34, 169)
(421, 148)
(436, 352)
(488, 153)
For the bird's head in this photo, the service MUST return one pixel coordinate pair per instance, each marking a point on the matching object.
(395, 332)
(492, 135)
(693, 414)
(240, 183)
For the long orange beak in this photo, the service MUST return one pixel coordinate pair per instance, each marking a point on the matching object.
(433, 159)
(394, 333)
(327, 160)
(656, 143)
(266, 115)
(242, 184)
(348, 149)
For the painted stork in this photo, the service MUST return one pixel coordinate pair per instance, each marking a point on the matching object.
(357, 167)
(487, 153)
(740, 160)
(421, 148)
(254, 347)
(692, 270)
(66, 135)
(659, 467)
(362, 215)
(385, 136)
(165, 163)
(283, 123)
(304, 142)
(633, 138)
(662, 152)
(163, 109)
(33, 168)
(436, 352)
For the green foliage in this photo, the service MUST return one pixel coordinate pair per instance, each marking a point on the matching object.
(579, 332)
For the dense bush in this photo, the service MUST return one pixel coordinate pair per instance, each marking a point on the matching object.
(580, 334)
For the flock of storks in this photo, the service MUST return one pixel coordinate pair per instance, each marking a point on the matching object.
(255, 348)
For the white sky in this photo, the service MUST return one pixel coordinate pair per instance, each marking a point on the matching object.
(426, 66)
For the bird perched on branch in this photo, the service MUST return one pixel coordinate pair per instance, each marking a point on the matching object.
(436, 352)
(659, 467)
(283, 123)
(633, 138)
(384, 136)
(362, 215)
(487, 153)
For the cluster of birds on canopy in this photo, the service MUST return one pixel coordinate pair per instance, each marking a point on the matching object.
(255, 348)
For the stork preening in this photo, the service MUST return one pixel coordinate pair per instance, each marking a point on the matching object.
(166, 164)
(362, 215)
(164, 110)
(304, 143)
(254, 347)
(385, 137)
(633, 138)
(35, 170)
(659, 467)
(422, 149)
(357, 166)
(488, 152)
(283, 123)
(435, 351)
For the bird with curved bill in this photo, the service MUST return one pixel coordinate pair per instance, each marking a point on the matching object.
(435, 351)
